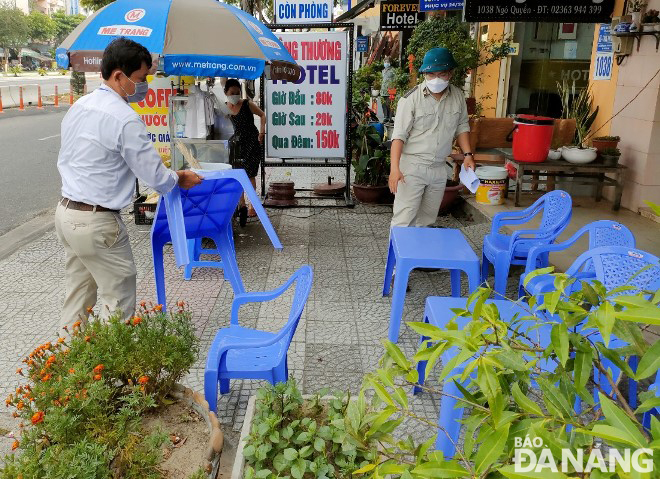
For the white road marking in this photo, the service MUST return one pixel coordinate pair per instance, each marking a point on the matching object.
(49, 137)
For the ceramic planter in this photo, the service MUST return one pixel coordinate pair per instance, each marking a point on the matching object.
(372, 194)
(636, 18)
(601, 145)
(610, 160)
(216, 437)
(554, 154)
(579, 156)
(449, 198)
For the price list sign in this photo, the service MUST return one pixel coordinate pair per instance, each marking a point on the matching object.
(307, 119)
(573, 11)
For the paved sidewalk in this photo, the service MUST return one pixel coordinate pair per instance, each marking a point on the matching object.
(338, 338)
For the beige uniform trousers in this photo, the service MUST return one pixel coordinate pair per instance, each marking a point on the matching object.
(418, 197)
(98, 259)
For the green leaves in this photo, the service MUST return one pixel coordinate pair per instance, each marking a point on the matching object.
(559, 338)
(650, 362)
(618, 419)
(491, 449)
(524, 402)
(440, 469)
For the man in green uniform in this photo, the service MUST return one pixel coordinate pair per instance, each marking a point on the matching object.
(428, 119)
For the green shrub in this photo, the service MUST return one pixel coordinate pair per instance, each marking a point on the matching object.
(294, 437)
(16, 70)
(510, 395)
(82, 406)
(42, 71)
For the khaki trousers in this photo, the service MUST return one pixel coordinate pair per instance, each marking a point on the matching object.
(418, 197)
(99, 260)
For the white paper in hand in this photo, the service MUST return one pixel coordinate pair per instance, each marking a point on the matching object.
(469, 178)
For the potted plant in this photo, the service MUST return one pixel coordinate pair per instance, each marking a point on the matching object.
(286, 434)
(371, 165)
(635, 8)
(651, 21)
(513, 401)
(579, 106)
(610, 156)
(104, 402)
(603, 142)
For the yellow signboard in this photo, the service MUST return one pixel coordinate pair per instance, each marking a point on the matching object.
(154, 110)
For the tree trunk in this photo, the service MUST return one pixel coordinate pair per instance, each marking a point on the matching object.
(78, 83)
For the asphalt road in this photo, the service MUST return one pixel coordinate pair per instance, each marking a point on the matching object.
(62, 81)
(29, 181)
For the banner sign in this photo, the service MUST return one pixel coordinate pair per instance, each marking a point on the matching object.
(604, 53)
(433, 5)
(362, 44)
(153, 111)
(397, 15)
(303, 11)
(573, 11)
(307, 118)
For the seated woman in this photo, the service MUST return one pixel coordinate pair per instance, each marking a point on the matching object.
(242, 117)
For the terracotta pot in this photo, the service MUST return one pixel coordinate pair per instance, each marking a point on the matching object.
(371, 194)
(601, 145)
(451, 193)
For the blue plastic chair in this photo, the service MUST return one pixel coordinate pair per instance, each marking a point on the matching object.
(184, 217)
(502, 250)
(600, 233)
(243, 353)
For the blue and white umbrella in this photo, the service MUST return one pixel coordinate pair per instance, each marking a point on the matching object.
(186, 37)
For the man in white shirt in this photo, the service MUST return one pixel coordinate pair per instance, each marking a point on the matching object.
(105, 146)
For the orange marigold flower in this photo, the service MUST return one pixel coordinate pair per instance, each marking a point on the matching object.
(20, 371)
(19, 390)
(137, 320)
(46, 377)
(60, 340)
(48, 346)
(99, 368)
(90, 310)
(127, 322)
(57, 403)
(15, 445)
(38, 417)
(97, 377)
(143, 380)
(76, 325)
(7, 402)
(50, 360)
(158, 307)
(143, 304)
(87, 339)
(30, 363)
(20, 405)
(15, 415)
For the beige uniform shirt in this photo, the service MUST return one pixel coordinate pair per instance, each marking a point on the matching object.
(427, 126)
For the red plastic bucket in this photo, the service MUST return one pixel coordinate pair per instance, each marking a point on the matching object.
(532, 136)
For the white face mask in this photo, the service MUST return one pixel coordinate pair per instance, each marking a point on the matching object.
(437, 85)
(233, 99)
(386, 65)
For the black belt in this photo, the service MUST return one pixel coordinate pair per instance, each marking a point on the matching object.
(77, 205)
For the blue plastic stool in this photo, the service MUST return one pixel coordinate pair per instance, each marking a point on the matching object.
(412, 248)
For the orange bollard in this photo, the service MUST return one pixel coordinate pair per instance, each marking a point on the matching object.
(21, 106)
(70, 97)
(57, 98)
(40, 104)
(1, 101)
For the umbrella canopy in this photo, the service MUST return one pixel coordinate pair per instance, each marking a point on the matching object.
(188, 37)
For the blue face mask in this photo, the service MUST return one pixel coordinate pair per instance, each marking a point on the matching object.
(139, 93)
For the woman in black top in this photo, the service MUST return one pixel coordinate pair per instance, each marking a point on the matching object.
(242, 117)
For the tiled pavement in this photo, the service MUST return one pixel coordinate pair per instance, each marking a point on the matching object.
(338, 338)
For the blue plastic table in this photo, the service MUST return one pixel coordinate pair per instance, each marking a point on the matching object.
(184, 217)
(438, 312)
(412, 248)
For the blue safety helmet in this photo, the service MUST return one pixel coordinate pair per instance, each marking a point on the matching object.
(438, 60)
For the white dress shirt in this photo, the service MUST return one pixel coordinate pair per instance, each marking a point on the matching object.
(105, 145)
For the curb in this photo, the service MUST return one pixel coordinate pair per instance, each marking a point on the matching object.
(22, 235)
